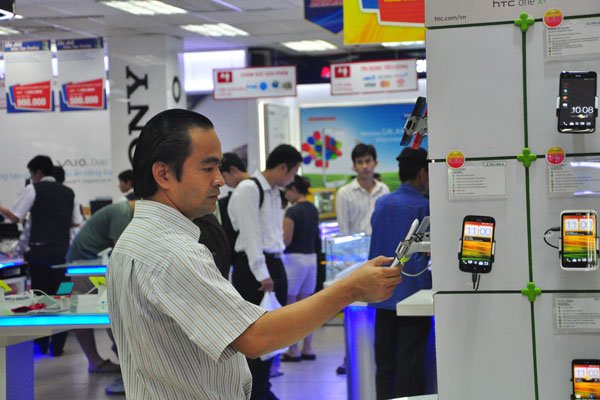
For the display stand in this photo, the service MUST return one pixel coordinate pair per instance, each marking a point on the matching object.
(492, 95)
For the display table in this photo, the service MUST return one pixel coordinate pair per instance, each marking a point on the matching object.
(16, 346)
(84, 268)
(419, 304)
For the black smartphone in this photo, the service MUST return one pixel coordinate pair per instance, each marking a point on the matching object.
(577, 104)
(65, 289)
(477, 244)
(586, 379)
(578, 243)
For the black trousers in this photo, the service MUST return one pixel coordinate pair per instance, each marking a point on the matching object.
(47, 279)
(400, 349)
(247, 286)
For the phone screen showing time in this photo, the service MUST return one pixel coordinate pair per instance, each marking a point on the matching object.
(586, 380)
(577, 102)
(477, 244)
(578, 239)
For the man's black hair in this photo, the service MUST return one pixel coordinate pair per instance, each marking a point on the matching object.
(300, 183)
(410, 162)
(59, 173)
(284, 154)
(361, 150)
(41, 163)
(126, 176)
(165, 138)
(232, 160)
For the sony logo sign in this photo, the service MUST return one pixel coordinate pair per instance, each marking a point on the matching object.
(138, 110)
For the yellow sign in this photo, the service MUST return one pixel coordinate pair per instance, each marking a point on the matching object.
(98, 281)
(5, 287)
(363, 26)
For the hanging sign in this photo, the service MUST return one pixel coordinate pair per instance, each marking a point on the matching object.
(378, 21)
(246, 83)
(328, 14)
(373, 76)
(81, 74)
(28, 76)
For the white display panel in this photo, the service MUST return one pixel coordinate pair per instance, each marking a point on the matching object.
(510, 268)
(475, 103)
(543, 82)
(545, 213)
(555, 352)
(482, 351)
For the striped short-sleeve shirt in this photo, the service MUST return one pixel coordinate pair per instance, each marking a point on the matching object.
(172, 313)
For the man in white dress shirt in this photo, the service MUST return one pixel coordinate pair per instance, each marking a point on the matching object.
(257, 264)
(181, 328)
(355, 201)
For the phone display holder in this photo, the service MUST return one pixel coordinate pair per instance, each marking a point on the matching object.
(591, 267)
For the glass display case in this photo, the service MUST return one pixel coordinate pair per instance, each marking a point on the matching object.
(345, 251)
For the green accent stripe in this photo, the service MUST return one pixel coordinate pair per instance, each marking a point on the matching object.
(581, 154)
(525, 121)
(571, 291)
(443, 160)
(528, 210)
(479, 292)
(534, 345)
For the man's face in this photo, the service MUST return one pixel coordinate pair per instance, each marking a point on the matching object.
(229, 179)
(197, 191)
(365, 166)
(124, 186)
(287, 176)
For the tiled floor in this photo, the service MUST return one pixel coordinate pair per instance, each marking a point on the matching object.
(66, 377)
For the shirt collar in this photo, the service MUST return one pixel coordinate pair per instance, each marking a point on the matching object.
(356, 186)
(263, 181)
(48, 179)
(148, 209)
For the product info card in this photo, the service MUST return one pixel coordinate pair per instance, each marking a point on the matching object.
(478, 180)
(577, 314)
(574, 39)
(575, 177)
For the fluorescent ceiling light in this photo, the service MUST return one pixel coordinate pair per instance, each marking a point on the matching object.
(402, 44)
(309, 45)
(215, 30)
(144, 7)
(8, 31)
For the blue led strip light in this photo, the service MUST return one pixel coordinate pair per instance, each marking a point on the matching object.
(93, 270)
(54, 320)
(11, 264)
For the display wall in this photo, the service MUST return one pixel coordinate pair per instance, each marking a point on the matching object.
(492, 94)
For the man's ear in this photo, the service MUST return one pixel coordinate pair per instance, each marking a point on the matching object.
(162, 174)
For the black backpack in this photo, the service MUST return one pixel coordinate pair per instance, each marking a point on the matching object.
(213, 236)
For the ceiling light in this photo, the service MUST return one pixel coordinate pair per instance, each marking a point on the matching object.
(309, 45)
(227, 5)
(7, 9)
(215, 30)
(144, 7)
(402, 44)
(8, 31)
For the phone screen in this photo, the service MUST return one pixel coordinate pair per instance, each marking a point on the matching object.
(586, 380)
(577, 102)
(65, 288)
(477, 243)
(578, 239)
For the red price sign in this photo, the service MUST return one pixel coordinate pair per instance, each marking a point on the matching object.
(455, 159)
(555, 155)
(553, 18)
(33, 96)
(88, 94)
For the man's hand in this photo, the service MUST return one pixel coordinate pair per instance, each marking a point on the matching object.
(374, 282)
(266, 285)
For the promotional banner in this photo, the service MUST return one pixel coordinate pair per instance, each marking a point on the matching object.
(246, 83)
(328, 135)
(28, 76)
(328, 14)
(461, 12)
(378, 21)
(81, 74)
(373, 76)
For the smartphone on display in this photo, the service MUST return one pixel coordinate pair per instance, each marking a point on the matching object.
(477, 244)
(586, 379)
(577, 104)
(578, 242)
(65, 289)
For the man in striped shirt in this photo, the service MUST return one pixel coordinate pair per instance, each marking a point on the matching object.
(181, 329)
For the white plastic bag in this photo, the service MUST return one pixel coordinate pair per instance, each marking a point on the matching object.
(270, 303)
